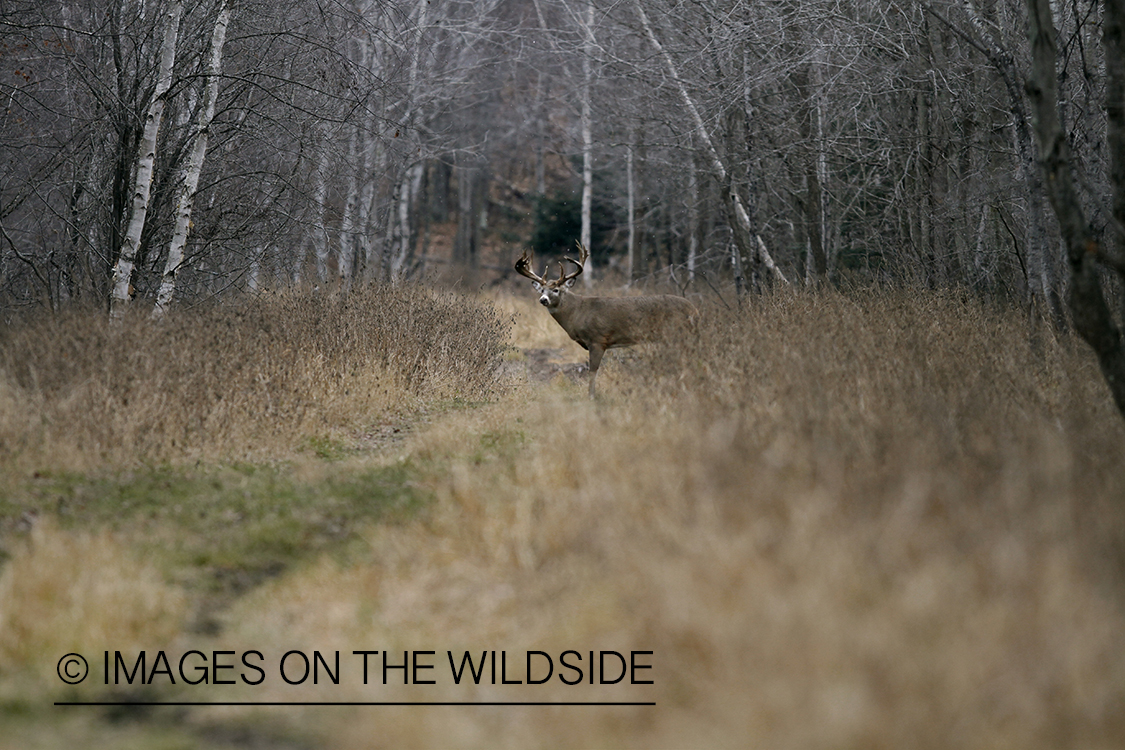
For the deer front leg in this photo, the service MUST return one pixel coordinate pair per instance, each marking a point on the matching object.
(596, 352)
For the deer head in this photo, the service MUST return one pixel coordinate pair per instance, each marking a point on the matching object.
(552, 290)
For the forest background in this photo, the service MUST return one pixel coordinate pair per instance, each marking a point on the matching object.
(874, 498)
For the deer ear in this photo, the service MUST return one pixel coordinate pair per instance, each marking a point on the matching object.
(537, 285)
(570, 282)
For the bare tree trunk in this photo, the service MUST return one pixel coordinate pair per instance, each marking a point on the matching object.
(374, 263)
(438, 192)
(980, 272)
(630, 208)
(146, 159)
(821, 168)
(465, 243)
(923, 174)
(587, 145)
(642, 259)
(353, 224)
(1086, 254)
(540, 113)
(356, 173)
(407, 195)
(194, 165)
(540, 135)
(1113, 42)
(406, 191)
(693, 217)
(809, 82)
(320, 225)
(736, 269)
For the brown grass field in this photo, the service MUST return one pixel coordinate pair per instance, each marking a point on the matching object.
(876, 519)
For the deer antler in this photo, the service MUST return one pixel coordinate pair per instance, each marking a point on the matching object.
(583, 254)
(523, 268)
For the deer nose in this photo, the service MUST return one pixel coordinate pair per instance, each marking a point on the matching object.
(544, 301)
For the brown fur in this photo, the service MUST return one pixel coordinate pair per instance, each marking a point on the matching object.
(601, 323)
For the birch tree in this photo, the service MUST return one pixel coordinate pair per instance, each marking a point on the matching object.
(77, 114)
(587, 140)
(630, 208)
(146, 157)
(194, 166)
(410, 182)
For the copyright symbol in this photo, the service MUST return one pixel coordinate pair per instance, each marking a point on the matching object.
(73, 668)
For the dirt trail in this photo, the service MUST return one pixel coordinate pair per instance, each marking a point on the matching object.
(543, 365)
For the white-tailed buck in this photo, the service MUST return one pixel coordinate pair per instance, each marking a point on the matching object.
(600, 323)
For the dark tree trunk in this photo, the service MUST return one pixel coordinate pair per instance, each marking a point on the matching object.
(1086, 253)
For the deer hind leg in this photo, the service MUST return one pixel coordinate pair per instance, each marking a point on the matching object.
(596, 352)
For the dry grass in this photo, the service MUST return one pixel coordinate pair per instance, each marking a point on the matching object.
(235, 382)
(880, 521)
(837, 522)
(532, 326)
(66, 591)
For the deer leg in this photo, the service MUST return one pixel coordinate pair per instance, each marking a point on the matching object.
(596, 352)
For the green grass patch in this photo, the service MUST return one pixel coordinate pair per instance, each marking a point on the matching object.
(328, 449)
(496, 444)
(223, 527)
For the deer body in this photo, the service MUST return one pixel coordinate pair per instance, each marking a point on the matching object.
(606, 322)
(601, 323)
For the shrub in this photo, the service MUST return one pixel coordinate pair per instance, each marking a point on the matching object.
(229, 380)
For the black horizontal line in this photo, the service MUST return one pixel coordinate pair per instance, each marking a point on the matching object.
(355, 703)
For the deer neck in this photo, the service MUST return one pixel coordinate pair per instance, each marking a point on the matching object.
(563, 312)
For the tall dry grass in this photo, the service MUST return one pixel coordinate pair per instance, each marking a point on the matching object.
(235, 381)
(878, 521)
(64, 592)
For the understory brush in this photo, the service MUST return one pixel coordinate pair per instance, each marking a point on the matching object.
(237, 380)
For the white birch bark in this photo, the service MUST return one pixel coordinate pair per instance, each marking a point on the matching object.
(364, 189)
(821, 98)
(407, 194)
(365, 246)
(541, 93)
(411, 182)
(194, 166)
(356, 158)
(372, 244)
(320, 199)
(978, 248)
(255, 269)
(587, 145)
(354, 230)
(415, 60)
(146, 158)
(742, 216)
